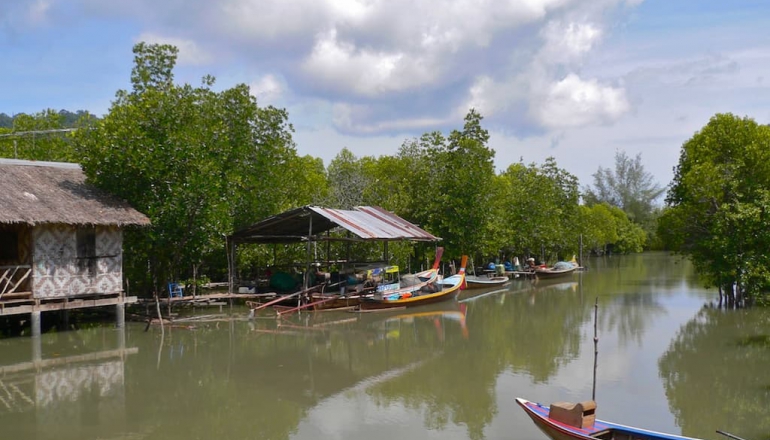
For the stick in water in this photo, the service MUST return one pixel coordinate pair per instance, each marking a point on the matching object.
(727, 434)
(596, 346)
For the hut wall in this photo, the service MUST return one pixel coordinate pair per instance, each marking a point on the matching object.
(60, 268)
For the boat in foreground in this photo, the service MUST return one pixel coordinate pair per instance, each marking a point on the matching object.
(577, 421)
(442, 290)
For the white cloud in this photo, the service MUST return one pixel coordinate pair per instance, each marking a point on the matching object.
(340, 64)
(566, 43)
(268, 20)
(547, 92)
(189, 52)
(396, 60)
(353, 119)
(267, 89)
(573, 102)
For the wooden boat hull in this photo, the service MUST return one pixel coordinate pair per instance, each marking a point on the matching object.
(485, 282)
(416, 301)
(339, 303)
(450, 289)
(553, 273)
(601, 429)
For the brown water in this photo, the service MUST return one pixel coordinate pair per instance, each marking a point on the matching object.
(449, 371)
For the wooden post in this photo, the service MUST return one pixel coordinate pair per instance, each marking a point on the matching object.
(160, 317)
(596, 345)
(230, 269)
(385, 252)
(580, 261)
(306, 283)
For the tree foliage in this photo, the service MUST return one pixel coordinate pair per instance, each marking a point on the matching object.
(198, 162)
(38, 136)
(451, 190)
(719, 203)
(202, 162)
(629, 187)
(540, 204)
(347, 181)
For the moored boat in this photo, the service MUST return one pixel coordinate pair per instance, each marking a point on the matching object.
(563, 421)
(441, 290)
(483, 282)
(378, 281)
(559, 269)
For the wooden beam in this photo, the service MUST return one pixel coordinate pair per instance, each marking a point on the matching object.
(69, 304)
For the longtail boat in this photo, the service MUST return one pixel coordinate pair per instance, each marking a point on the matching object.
(406, 285)
(442, 290)
(563, 421)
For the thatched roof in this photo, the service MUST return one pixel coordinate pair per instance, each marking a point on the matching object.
(34, 192)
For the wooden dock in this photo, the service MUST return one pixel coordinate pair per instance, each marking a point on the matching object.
(213, 299)
(28, 305)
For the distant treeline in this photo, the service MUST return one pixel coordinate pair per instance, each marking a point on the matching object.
(67, 118)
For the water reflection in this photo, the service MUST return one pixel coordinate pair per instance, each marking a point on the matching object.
(449, 369)
(715, 373)
(64, 390)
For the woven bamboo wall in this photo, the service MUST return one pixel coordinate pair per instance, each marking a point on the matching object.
(59, 273)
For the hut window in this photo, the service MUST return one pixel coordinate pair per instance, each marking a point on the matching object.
(87, 250)
(86, 243)
(9, 245)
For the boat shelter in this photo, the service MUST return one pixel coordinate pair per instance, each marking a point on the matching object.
(309, 224)
(61, 240)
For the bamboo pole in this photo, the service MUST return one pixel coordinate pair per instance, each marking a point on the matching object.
(305, 306)
(160, 317)
(596, 346)
(277, 300)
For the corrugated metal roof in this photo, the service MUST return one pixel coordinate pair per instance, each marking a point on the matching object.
(365, 222)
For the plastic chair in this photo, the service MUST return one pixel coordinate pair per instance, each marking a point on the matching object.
(175, 289)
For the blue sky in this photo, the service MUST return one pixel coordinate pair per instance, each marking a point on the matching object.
(576, 80)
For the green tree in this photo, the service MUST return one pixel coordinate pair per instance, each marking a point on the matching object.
(41, 136)
(719, 202)
(347, 181)
(598, 227)
(452, 186)
(541, 205)
(197, 162)
(629, 187)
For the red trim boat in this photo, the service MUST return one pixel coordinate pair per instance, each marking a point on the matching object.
(448, 288)
(595, 429)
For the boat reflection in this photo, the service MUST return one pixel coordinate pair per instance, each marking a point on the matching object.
(392, 327)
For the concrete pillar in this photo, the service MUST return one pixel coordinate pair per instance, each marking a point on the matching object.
(65, 320)
(121, 338)
(37, 349)
(120, 315)
(35, 323)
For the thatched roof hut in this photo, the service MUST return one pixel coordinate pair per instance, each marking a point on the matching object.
(34, 193)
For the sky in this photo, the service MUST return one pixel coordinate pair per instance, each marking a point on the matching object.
(576, 80)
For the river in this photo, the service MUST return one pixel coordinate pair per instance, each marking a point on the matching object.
(668, 360)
